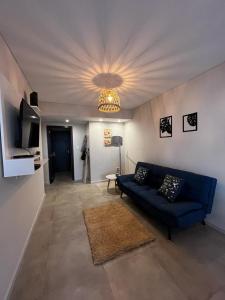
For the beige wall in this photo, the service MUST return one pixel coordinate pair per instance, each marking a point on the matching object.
(103, 160)
(202, 151)
(20, 198)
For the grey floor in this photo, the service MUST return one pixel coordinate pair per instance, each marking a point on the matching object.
(58, 264)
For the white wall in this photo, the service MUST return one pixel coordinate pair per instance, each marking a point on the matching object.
(45, 152)
(18, 210)
(202, 151)
(103, 160)
(79, 131)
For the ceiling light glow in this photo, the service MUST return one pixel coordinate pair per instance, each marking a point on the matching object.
(109, 101)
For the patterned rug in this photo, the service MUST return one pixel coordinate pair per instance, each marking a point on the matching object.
(113, 230)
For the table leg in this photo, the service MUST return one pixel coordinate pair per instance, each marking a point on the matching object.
(108, 184)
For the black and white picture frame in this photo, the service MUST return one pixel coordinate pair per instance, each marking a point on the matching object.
(190, 122)
(166, 127)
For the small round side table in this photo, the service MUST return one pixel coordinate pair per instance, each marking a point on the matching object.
(110, 177)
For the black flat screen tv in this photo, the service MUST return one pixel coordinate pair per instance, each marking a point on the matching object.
(29, 126)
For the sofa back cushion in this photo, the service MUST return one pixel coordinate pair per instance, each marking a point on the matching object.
(197, 188)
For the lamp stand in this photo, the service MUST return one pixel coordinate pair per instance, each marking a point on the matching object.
(120, 160)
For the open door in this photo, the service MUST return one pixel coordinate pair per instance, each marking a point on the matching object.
(60, 151)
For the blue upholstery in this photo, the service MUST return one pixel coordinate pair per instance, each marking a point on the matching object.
(134, 187)
(193, 204)
(175, 209)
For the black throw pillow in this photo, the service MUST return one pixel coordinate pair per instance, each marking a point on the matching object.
(141, 175)
(171, 187)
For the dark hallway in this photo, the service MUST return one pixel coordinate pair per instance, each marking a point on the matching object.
(60, 150)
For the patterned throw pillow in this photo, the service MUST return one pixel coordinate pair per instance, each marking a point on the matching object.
(141, 175)
(171, 187)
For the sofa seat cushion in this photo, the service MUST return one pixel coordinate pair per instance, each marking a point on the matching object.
(134, 187)
(175, 209)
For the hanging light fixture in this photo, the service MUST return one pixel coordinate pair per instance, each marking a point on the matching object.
(109, 101)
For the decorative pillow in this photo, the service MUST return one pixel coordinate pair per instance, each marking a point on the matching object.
(141, 175)
(171, 187)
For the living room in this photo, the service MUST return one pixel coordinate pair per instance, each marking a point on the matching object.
(112, 151)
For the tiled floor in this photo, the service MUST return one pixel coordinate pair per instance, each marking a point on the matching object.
(58, 264)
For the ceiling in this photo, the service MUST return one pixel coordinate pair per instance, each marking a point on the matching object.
(75, 120)
(153, 45)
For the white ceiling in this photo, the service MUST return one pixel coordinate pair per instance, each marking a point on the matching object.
(72, 120)
(153, 45)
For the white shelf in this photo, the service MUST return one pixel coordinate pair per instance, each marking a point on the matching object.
(9, 110)
(18, 167)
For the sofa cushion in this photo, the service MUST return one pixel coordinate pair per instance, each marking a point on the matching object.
(196, 187)
(176, 209)
(124, 178)
(171, 187)
(141, 175)
(134, 187)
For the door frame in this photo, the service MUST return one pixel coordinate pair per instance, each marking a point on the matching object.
(49, 129)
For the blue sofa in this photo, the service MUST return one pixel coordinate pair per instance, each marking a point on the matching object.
(192, 205)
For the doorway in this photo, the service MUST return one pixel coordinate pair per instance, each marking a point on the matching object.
(60, 151)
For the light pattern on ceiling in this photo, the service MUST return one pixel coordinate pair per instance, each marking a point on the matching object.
(152, 45)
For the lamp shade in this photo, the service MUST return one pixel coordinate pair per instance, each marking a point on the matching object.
(116, 141)
(109, 101)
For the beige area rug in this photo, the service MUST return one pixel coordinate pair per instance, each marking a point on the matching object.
(112, 230)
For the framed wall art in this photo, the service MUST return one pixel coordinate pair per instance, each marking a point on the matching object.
(190, 122)
(107, 137)
(166, 127)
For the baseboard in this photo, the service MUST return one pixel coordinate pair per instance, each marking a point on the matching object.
(221, 230)
(9, 291)
(96, 181)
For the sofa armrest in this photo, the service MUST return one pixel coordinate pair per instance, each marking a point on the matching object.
(125, 178)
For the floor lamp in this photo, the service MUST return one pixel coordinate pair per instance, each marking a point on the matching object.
(117, 141)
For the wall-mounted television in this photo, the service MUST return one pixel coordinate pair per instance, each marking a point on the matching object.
(29, 126)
